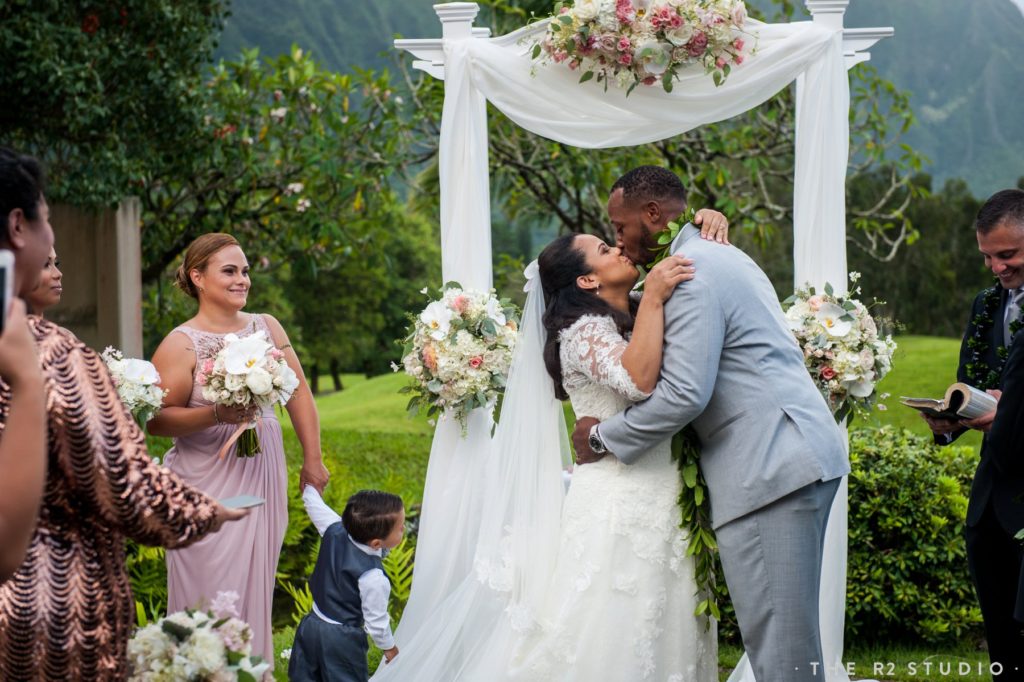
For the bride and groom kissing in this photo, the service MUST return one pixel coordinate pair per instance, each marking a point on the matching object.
(707, 346)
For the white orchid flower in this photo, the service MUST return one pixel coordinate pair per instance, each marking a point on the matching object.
(437, 317)
(242, 355)
(829, 316)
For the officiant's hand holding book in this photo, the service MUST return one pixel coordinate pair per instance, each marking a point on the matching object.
(961, 403)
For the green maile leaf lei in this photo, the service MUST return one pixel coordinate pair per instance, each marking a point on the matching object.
(694, 503)
(979, 373)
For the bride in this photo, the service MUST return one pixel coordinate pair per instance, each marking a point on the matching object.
(608, 592)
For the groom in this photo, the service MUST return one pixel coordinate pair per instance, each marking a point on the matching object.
(770, 451)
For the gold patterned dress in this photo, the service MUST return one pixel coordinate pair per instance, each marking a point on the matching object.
(68, 612)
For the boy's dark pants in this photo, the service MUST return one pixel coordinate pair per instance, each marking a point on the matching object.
(325, 652)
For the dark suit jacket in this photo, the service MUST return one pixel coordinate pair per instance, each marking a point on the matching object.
(1006, 440)
(1006, 493)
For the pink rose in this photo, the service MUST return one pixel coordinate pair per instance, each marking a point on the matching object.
(650, 80)
(609, 42)
(738, 43)
(814, 302)
(476, 362)
(738, 59)
(720, 62)
(200, 379)
(625, 59)
(623, 44)
(676, 21)
(430, 358)
(698, 43)
(208, 366)
(276, 354)
(460, 303)
(828, 374)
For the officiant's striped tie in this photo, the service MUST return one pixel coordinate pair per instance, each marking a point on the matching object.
(1013, 309)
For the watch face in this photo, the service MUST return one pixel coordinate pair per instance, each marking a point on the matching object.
(595, 444)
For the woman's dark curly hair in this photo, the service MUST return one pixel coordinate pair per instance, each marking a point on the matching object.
(560, 264)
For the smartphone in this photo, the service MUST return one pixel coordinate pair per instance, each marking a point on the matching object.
(242, 501)
(6, 286)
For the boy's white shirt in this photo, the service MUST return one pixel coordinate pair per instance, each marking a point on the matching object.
(374, 588)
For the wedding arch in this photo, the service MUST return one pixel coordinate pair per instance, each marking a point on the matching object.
(548, 101)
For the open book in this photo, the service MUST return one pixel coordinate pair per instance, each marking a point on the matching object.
(961, 402)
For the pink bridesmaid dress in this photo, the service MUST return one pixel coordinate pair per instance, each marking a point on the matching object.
(243, 556)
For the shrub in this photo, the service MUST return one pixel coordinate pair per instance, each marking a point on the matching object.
(907, 575)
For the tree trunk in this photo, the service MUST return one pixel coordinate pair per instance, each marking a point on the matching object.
(336, 375)
(314, 378)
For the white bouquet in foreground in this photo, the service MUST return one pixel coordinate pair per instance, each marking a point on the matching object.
(137, 383)
(842, 347)
(203, 646)
(247, 371)
(458, 352)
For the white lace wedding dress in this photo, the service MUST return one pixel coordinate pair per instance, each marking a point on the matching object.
(621, 600)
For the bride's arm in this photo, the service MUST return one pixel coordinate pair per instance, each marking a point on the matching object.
(642, 357)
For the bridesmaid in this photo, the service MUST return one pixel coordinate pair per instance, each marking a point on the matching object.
(68, 611)
(244, 558)
(50, 288)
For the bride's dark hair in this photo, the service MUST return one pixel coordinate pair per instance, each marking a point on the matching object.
(560, 264)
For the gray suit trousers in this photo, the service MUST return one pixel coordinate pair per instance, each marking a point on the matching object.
(772, 563)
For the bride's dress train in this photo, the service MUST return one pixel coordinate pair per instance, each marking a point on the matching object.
(597, 588)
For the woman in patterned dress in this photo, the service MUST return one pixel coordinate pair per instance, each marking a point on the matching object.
(68, 612)
(216, 273)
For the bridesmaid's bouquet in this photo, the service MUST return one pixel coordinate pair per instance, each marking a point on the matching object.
(213, 645)
(247, 371)
(458, 352)
(843, 349)
(137, 383)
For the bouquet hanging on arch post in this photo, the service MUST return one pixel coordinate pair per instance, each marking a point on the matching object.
(458, 352)
(247, 371)
(843, 349)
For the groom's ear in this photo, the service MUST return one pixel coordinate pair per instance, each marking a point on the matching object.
(653, 212)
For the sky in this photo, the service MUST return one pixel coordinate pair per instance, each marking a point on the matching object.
(1020, 4)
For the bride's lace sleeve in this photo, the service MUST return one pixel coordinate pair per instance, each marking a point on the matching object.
(593, 348)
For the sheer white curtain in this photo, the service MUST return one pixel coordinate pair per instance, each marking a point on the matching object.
(549, 101)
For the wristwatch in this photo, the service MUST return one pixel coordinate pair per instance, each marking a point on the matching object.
(595, 442)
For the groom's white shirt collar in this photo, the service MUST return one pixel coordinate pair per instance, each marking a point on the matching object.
(689, 230)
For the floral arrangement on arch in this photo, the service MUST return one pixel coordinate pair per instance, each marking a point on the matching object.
(137, 383)
(211, 646)
(458, 352)
(843, 349)
(634, 42)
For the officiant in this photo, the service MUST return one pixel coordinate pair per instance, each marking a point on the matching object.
(995, 511)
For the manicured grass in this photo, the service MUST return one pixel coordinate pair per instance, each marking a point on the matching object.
(923, 367)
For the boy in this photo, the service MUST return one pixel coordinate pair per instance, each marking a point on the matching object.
(350, 590)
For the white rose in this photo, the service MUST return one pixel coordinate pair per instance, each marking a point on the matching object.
(259, 381)
(234, 382)
(587, 10)
(679, 36)
(289, 382)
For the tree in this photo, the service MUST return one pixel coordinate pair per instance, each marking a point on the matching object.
(101, 91)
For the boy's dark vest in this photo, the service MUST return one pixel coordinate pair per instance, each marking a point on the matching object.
(335, 580)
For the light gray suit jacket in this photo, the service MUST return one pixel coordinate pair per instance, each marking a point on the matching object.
(732, 367)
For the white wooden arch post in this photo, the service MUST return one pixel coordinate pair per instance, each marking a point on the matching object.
(819, 256)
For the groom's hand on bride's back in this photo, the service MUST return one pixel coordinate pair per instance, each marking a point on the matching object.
(581, 441)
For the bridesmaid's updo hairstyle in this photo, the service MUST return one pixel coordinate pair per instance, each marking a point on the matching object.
(560, 265)
(22, 183)
(371, 515)
(197, 256)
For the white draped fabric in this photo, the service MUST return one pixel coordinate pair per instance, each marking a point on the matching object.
(549, 101)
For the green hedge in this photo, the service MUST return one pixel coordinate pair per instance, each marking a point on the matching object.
(907, 578)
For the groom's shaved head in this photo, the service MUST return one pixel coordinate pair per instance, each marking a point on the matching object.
(651, 183)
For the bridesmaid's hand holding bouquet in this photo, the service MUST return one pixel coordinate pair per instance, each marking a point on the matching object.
(248, 372)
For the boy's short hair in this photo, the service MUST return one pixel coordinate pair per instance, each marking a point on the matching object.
(371, 515)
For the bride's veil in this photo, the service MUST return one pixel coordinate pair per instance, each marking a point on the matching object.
(472, 634)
